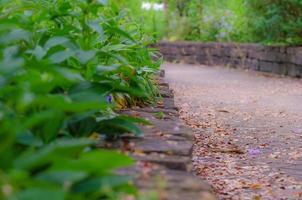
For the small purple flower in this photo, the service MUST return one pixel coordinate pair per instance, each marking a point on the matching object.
(109, 99)
(254, 152)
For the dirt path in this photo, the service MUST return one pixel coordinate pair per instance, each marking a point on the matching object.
(248, 129)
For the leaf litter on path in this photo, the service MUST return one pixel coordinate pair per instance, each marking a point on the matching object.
(239, 151)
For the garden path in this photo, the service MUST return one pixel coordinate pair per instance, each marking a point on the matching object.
(248, 129)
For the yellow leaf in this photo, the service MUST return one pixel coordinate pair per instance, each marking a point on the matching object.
(94, 136)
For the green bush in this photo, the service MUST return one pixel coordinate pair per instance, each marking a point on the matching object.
(207, 20)
(264, 21)
(66, 66)
(184, 20)
(151, 21)
(275, 21)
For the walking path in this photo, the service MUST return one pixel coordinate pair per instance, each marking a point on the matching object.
(248, 129)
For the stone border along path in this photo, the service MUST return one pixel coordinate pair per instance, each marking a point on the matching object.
(163, 153)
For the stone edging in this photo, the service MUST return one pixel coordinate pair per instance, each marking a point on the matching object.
(163, 153)
(273, 59)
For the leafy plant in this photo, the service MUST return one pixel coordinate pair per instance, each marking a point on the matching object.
(62, 170)
(66, 67)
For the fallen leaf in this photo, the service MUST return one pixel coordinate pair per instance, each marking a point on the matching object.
(256, 186)
(223, 111)
(297, 130)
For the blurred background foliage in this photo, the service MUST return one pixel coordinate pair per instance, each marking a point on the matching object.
(152, 21)
(258, 21)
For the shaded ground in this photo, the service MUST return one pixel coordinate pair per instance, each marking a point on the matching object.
(248, 129)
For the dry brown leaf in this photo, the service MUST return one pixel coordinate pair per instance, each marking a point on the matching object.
(256, 186)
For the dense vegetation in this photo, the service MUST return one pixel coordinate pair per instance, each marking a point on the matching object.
(66, 66)
(275, 20)
(264, 21)
(152, 21)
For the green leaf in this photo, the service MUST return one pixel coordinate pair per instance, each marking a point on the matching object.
(98, 162)
(54, 41)
(15, 35)
(10, 52)
(135, 120)
(62, 176)
(41, 193)
(117, 126)
(102, 2)
(79, 102)
(103, 182)
(11, 66)
(69, 74)
(61, 148)
(104, 69)
(39, 52)
(97, 28)
(122, 33)
(61, 56)
(29, 139)
(85, 56)
(118, 57)
(39, 122)
(84, 92)
(115, 47)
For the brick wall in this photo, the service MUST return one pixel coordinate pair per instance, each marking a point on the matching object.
(274, 59)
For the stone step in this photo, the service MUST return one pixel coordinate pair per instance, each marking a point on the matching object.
(169, 161)
(169, 184)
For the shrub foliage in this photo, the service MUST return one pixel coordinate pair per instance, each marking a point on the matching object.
(266, 21)
(66, 66)
(276, 20)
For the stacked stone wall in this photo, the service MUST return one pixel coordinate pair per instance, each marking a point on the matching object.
(273, 59)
